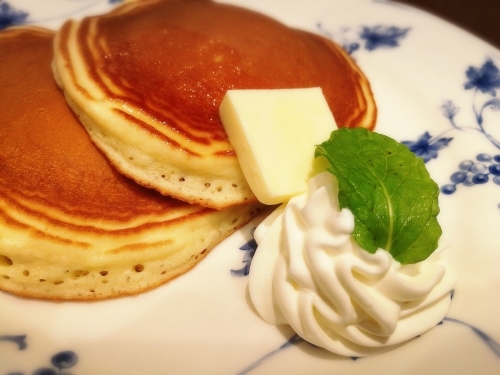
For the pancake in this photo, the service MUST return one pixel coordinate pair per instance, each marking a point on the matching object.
(147, 79)
(71, 227)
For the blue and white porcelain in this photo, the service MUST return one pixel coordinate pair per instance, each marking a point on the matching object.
(437, 91)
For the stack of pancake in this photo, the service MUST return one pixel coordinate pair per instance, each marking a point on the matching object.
(149, 184)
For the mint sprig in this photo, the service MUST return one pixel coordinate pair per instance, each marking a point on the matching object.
(389, 191)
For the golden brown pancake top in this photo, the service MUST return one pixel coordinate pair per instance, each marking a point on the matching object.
(47, 161)
(174, 61)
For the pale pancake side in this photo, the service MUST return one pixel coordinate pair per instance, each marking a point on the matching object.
(147, 79)
(71, 227)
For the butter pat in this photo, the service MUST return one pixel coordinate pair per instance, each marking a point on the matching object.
(274, 134)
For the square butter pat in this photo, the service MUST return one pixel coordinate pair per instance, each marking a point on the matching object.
(274, 134)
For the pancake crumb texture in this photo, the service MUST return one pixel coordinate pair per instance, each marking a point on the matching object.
(105, 264)
(146, 80)
(71, 226)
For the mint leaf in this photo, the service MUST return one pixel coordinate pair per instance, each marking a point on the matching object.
(389, 191)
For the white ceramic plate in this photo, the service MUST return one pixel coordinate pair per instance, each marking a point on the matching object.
(436, 87)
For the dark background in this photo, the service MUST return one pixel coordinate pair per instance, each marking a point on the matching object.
(479, 17)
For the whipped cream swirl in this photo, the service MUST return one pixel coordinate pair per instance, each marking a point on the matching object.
(309, 273)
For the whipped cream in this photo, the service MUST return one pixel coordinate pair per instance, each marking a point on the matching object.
(309, 273)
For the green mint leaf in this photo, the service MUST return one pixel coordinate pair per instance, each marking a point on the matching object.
(389, 191)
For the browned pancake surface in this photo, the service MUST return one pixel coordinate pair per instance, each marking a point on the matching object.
(176, 59)
(164, 67)
(71, 227)
(45, 154)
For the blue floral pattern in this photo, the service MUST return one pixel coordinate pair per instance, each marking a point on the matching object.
(487, 339)
(10, 16)
(368, 37)
(60, 361)
(249, 248)
(382, 36)
(296, 339)
(19, 340)
(427, 147)
(477, 172)
(486, 80)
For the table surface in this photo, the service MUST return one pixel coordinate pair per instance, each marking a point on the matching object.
(479, 17)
